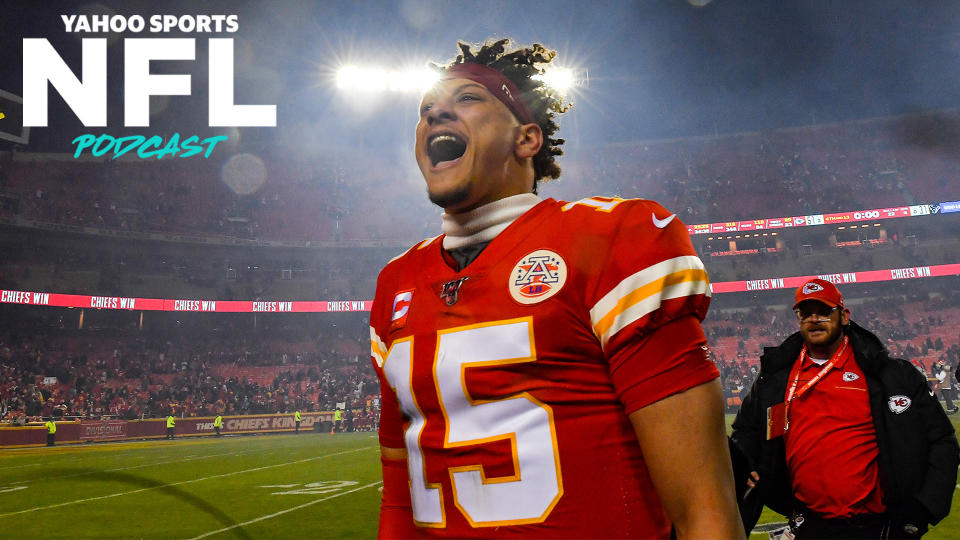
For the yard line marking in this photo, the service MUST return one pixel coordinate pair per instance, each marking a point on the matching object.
(22, 466)
(69, 460)
(128, 468)
(112, 495)
(138, 466)
(280, 513)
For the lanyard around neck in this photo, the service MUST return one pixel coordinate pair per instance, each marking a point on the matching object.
(794, 393)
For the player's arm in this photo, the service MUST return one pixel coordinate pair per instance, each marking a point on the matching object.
(393, 454)
(396, 512)
(685, 446)
(645, 309)
(396, 515)
(672, 393)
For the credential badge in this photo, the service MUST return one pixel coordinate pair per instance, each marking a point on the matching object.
(537, 276)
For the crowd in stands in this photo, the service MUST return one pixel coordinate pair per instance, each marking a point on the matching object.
(799, 171)
(208, 365)
(916, 326)
(129, 374)
(215, 367)
(50, 262)
(47, 261)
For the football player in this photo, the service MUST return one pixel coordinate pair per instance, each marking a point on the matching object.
(542, 364)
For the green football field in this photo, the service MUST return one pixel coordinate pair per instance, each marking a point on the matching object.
(310, 485)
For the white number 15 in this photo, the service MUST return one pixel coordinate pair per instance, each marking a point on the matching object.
(529, 495)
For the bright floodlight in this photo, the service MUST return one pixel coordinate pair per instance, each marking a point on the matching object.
(560, 79)
(370, 79)
(355, 78)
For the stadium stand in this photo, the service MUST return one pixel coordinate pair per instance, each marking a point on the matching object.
(915, 323)
(115, 370)
(177, 230)
(823, 168)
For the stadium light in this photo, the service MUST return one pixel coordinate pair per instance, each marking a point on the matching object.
(353, 78)
(560, 79)
(364, 79)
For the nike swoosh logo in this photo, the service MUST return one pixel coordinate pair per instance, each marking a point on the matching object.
(661, 223)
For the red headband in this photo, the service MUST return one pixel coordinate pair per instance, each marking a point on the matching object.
(498, 85)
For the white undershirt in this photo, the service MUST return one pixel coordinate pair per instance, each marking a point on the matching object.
(819, 361)
(484, 223)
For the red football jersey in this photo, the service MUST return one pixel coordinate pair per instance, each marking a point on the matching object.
(509, 382)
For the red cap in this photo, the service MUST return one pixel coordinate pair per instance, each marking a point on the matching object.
(820, 290)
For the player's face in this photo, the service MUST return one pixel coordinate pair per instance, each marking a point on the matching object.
(465, 146)
(820, 325)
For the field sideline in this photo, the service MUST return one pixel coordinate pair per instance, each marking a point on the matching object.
(310, 485)
(270, 486)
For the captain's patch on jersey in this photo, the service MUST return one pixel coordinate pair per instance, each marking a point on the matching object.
(401, 307)
(537, 276)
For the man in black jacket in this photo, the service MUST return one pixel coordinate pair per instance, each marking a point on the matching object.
(845, 440)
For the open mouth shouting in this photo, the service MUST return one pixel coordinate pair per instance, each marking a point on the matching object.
(445, 149)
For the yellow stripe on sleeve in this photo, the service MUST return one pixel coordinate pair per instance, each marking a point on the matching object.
(378, 350)
(643, 292)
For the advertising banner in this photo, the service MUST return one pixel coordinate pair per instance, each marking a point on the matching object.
(158, 304)
(949, 207)
(912, 272)
(75, 431)
(823, 219)
(103, 430)
(192, 427)
(148, 304)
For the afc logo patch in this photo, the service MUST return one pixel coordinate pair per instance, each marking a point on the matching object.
(401, 308)
(537, 276)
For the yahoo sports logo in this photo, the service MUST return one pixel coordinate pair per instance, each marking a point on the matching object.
(86, 93)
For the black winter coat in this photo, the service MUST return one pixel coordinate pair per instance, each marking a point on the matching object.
(918, 451)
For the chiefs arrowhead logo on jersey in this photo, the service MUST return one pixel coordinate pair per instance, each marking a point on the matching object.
(401, 308)
(537, 276)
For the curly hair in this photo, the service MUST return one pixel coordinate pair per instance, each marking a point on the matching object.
(520, 65)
